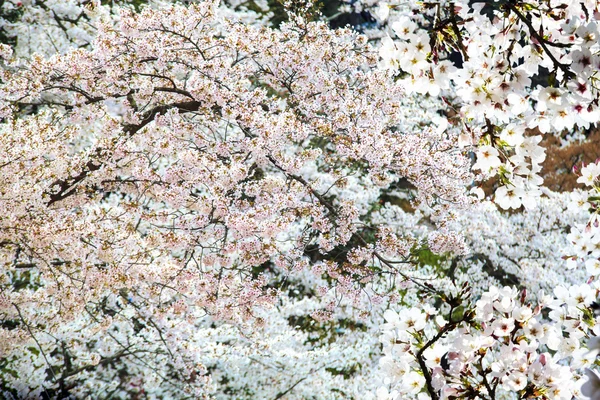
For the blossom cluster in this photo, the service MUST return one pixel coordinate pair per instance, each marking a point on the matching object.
(175, 173)
(198, 201)
(502, 344)
(482, 58)
(586, 236)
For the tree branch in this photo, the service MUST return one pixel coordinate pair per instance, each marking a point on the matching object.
(66, 187)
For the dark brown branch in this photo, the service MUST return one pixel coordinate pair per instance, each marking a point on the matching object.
(456, 30)
(282, 394)
(491, 390)
(333, 214)
(307, 185)
(451, 325)
(103, 361)
(64, 188)
(35, 340)
(542, 41)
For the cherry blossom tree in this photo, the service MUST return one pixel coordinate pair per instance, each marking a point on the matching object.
(199, 204)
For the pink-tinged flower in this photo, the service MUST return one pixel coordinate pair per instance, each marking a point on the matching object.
(589, 173)
(438, 380)
(582, 89)
(448, 392)
(596, 62)
(582, 60)
(503, 326)
(588, 34)
(549, 97)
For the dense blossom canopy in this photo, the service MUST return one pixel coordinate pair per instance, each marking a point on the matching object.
(202, 201)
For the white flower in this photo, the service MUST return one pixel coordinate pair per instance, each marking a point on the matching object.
(394, 369)
(522, 314)
(413, 382)
(388, 53)
(516, 381)
(5, 51)
(512, 134)
(583, 358)
(478, 192)
(552, 336)
(487, 159)
(484, 310)
(592, 267)
(518, 103)
(581, 295)
(383, 11)
(95, 358)
(589, 173)
(588, 34)
(392, 319)
(520, 81)
(414, 61)
(508, 197)
(442, 72)
(533, 329)
(558, 315)
(412, 319)
(529, 147)
(567, 347)
(572, 263)
(383, 394)
(505, 305)
(433, 355)
(404, 27)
